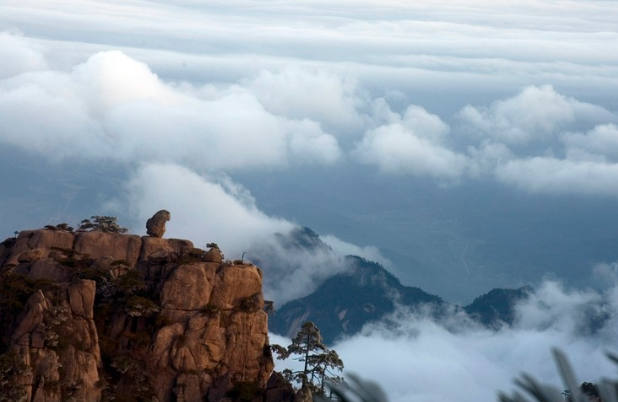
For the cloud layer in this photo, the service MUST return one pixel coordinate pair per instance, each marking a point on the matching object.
(113, 107)
(411, 144)
(534, 115)
(416, 359)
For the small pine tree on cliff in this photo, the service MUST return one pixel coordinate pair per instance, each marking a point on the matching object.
(101, 224)
(319, 362)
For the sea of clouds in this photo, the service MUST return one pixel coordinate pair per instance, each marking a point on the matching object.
(416, 359)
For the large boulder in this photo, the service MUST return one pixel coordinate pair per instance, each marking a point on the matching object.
(119, 247)
(214, 255)
(36, 244)
(155, 226)
(278, 389)
(235, 284)
(189, 287)
(163, 248)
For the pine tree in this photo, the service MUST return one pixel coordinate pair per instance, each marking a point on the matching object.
(101, 224)
(319, 362)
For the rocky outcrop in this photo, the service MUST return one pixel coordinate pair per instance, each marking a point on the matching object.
(155, 226)
(92, 316)
(57, 339)
(279, 389)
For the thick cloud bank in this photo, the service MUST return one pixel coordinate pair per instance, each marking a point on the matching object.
(411, 144)
(530, 140)
(418, 360)
(113, 107)
(535, 114)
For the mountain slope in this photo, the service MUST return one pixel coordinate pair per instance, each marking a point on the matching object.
(497, 306)
(345, 302)
(362, 291)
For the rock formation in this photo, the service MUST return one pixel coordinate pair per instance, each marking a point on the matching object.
(92, 316)
(155, 226)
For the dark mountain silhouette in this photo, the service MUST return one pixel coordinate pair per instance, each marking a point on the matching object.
(347, 301)
(497, 306)
(366, 292)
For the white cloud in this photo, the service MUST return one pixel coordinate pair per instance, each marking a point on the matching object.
(111, 78)
(308, 143)
(416, 359)
(410, 144)
(370, 253)
(541, 116)
(202, 209)
(266, 85)
(601, 140)
(560, 176)
(424, 124)
(485, 157)
(113, 107)
(536, 38)
(292, 273)
(535, 114)
(518, 140)
(318, 95)
(19, 55)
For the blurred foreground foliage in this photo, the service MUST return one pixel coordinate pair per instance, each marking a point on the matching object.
(356, 389)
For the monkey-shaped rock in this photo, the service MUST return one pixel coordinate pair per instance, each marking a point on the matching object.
(155, 226)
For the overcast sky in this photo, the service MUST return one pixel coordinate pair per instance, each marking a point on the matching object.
(467, 145)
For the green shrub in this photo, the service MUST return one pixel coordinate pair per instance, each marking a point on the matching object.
(138, 306)
(98, 223)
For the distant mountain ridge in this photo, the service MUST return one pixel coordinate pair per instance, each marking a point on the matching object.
(366, 292)
(497, 306)
(345, 302)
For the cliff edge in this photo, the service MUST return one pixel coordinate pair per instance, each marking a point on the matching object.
(91, 316)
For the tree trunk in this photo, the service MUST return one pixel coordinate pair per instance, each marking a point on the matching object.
(306, 359)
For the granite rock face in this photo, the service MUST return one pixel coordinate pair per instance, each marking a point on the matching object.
(98, 316)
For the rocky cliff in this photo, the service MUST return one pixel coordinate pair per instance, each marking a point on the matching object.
(91, 316)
